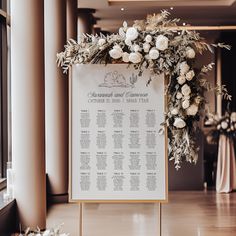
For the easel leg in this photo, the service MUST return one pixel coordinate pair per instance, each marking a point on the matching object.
(81, 219)
(159, 219)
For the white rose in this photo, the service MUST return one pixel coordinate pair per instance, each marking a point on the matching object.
(224, 125)
(148, 38)
(174, 111)
(186, 90)
(101, 42)
(131, 33)
(179, 123)
(148, 58)
(125, 57)
(179, 95)
(190, 75)
(181, 79)
(192, 110)
(128, 42)
(184, 68)
(185, 104)
(153, 53)
(190, 53)
(186, 97)
(135, 57)
(136, 48)
(116, 53)
(117, 47)
(146, 47)
(162, 42)
(233, 117)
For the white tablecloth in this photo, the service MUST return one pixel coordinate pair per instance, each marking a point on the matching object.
(226, 166)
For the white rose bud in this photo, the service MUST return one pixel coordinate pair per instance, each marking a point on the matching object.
(136, 48)
(162, 42)
(185, 104)
(122, 32)
(153, 53)
(46, 233)
(187, 97)
(186, 90)
(224, 125)
(174, 111)
(218, 127)
(192, 110)
(190, 53)
(181, 79)
(131, 33)
(190, 75)
(233, 117)
(125, 57)
(232, 127)
(179, 95)
(116, 53)
(148, 38)
(101, 42)
(125, 25)
(146, 47)
(128, 42)
(135, 57)
(184, 68)
(117, 47)
(179, 123)
(81, 59)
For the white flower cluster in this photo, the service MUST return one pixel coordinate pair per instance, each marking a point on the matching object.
(138, 48)
(184, 96)
(148, 44)
(228, 123)
(225, 124)
(48, 232)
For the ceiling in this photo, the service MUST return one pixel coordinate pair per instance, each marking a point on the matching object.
(197, 13)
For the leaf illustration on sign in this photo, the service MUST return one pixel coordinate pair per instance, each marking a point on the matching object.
(114, 79)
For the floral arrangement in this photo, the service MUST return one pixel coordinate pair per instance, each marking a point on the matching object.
(225, 125)
(159, 45)
(49, 232)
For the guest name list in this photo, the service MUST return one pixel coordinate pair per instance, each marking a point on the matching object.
(117, 152)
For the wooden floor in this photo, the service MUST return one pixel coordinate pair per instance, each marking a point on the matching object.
(186, 214)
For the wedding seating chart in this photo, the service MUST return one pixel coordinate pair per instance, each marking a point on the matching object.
(117, 152)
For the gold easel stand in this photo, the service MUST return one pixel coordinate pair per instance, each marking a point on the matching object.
(81, 219)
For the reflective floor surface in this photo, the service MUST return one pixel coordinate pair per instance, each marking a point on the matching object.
(186, 214)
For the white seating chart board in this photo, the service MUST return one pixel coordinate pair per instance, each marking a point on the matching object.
(116, 152)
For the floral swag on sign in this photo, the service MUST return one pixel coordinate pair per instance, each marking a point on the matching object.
(157, 44)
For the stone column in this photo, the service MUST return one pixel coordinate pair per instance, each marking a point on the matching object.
(27, 75)
(56, 99)
(85, 21)
(71, 19)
